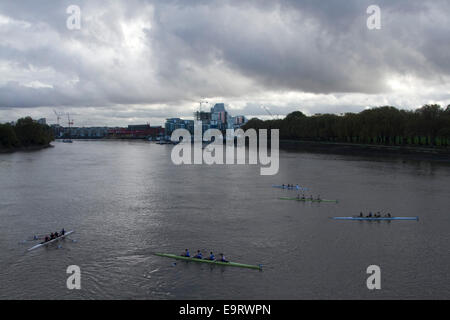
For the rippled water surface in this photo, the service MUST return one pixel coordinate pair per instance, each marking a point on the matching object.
(126, 200)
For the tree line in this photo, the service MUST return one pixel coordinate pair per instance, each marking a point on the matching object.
(24, 133)
(426, 126)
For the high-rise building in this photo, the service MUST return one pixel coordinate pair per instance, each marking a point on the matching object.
(219, 116)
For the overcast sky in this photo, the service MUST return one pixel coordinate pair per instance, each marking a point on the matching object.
(139, 61)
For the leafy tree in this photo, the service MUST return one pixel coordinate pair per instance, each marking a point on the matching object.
(26, 132)
(8, 138)
(429, 125)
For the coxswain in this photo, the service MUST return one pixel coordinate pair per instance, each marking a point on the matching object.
(222, 258)
(198, 255)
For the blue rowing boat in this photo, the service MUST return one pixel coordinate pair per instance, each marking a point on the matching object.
(376, 219)
(289, 188)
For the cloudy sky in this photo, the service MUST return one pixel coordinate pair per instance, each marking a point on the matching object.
(137, 61)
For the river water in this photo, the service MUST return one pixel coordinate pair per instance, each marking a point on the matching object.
(126, 200)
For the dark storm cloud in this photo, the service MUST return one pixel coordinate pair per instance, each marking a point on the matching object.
(211, 48)
(313, 46)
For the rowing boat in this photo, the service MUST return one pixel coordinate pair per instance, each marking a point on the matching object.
(307, 199)
(289, 188)
(230, 264)
(376, 219)
(53, 240)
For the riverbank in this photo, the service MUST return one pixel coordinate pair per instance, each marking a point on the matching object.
(25, 149)
(410, 152)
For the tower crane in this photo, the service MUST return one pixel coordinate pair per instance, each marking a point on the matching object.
(58, 116)
(270, 113)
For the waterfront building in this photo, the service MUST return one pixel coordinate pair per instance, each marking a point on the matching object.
(216, 118)
(141, 131)
(173, 124)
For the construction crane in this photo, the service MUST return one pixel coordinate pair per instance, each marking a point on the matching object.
(70, 122)
(270, 113)
(197, 114)
(58, 116)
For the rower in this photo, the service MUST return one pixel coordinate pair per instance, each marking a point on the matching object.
(370, 215)
(211, 256)
(63, 232)
(186, 253)
(282, 185)
(311, 198)
(303, 197)
(361, 214)
(56, 235)
(318, 198)
(47, 238)
(297, 187)
(298, 196)
(222, 258)
(198, 255)
(52, 235)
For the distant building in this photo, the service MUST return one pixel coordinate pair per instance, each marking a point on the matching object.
(131, 132)
(239, 121)
(218, 107)
(141, 131)
(79, 132)
(173, 124)
(217, 118)
(203, 116)
(58, 131)
(42, 121)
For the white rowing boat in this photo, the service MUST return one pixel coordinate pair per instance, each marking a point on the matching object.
(53, 240)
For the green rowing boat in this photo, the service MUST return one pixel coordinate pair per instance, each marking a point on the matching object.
(307, 199)
(230, 264)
